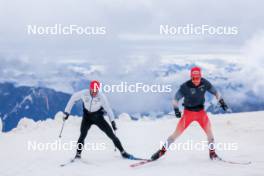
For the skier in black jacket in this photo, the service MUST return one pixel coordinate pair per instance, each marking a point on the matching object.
(193, 92)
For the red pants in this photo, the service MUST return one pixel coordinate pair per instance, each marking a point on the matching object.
(190, 116)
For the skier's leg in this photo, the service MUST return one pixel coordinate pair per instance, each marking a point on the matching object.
(205, 123)
(85, 126)
(184, 122)
(106, 128)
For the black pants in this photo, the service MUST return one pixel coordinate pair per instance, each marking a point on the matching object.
(96, 118)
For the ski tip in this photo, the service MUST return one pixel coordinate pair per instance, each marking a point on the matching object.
(247, 163)
(233, 162)
(140, 163)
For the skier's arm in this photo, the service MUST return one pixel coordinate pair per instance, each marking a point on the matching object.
(175, 102)
(74, 98)
(212, 90)
(178, 96)
(107, 108)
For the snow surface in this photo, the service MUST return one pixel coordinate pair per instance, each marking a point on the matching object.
(141, 138)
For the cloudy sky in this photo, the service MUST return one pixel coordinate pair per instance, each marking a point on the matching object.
(132, 46)
(132, 27)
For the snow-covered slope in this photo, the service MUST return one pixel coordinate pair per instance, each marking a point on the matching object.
(141, 138)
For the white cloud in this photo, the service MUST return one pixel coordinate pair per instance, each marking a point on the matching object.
(132, 48)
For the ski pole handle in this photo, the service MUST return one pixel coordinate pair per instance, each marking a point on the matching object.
(62, 128)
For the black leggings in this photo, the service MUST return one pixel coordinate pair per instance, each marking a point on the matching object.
(97, 119)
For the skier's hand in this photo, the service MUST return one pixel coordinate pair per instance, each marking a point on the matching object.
(66, 116)
(223, 104)
(114, 125)
(177, 112)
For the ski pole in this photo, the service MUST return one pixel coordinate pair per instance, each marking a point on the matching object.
(62, 128)
(115, 135)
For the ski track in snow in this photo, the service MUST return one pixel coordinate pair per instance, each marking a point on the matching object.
(140, 138)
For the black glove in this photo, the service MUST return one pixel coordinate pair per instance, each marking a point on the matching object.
(177, 112)
(114, 125)
(223, 104)
(66, 116)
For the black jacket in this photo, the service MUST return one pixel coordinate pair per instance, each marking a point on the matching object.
(194, 96)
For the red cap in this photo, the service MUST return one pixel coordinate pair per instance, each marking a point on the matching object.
(196, 72)
(94, 85)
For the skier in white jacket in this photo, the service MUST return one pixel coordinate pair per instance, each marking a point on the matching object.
(95, 104)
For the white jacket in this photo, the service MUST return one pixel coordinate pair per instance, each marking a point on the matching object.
(91, 104)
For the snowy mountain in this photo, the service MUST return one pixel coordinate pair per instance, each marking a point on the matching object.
(36, 103)
(141, 138)
(240, 87)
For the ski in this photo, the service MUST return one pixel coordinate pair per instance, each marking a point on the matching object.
(232, 162)
(72, 161)
(143, 162)
(67, 163)
(135, 158)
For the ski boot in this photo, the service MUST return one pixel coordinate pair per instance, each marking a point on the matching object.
(213, 155)
(77, 156)
(126, 155)
(158, 154)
